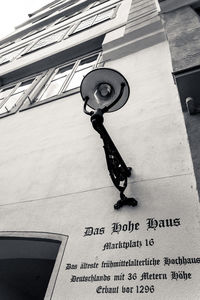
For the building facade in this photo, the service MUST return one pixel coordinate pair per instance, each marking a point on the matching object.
(60, 236)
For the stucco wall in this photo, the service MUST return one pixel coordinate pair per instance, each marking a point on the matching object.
(54, 179)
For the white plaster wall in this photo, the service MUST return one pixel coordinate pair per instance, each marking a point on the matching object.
(57, 141)
(54, 179)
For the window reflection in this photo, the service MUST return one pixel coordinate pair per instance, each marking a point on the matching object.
(6, 106)
(56, 82)
(105, 15)
(85, 23)
(9, 56)
(85, 66)
(47, 40)
(67, 77)
(5, 93)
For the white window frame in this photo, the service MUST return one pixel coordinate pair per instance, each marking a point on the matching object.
(59, 39)
(113, 8)
(97, 3)
(70, 76)
(23, 48)
(33, 32)
(34, 98)
(67, 5)
(56, 4)
(63, 239)
(24, 95)
(6, 45)
(67, 18)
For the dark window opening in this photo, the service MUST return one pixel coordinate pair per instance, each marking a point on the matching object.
(26, 265)
(196, 8)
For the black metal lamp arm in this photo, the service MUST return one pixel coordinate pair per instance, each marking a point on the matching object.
(117, 168)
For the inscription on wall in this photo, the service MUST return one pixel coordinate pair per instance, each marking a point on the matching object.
(131, 275)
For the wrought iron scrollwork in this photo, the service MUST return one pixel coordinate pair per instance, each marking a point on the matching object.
(117, 168)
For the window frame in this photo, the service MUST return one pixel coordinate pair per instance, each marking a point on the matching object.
(3, 46)
(62, 238)
(65, 30)
(23, 96)
(33, 32)
(67, 18)
(23, 48)
(95, 14)
(62, 92)
(65, 5)
(56, 4)
(97, 3)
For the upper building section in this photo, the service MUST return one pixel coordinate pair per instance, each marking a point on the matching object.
(51, 11)
(182, 25)
(46, 57)
(57, 33)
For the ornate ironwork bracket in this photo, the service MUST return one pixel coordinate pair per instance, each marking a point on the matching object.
(117, 168)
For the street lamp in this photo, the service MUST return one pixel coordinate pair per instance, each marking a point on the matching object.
(106, 90)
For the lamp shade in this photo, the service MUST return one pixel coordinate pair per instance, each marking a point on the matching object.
(105, 87)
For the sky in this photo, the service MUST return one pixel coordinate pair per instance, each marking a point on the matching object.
(15, 12)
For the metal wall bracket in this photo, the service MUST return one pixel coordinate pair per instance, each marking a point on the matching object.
(117, 168)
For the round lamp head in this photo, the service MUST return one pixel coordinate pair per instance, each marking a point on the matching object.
(101, 87)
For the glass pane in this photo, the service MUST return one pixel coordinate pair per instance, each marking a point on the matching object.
(85, 23)
(10, 56)
(63, 72)
(23, 86)
(77, 78)
(72, 2)
(68, 17)
(98, 3)
(13, 99)
(26, 265)
(3, 110)
(10, 103)
(87, 62)
(5, 93)
(62, 20)
(50, 39)
(53, 89)
(33, 32)
(58, 3)
(103, 16)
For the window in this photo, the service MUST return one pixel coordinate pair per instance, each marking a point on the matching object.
(33, 32)
(63, 19)
(57, 3)
(196, 7)
(6, 44)
(69, 3)
(95, 19)
(197, 10)
(67, 78)
(48, 40)
(29, 264)
(43, 17)
(4, 58)
(12, 96)
(96, 3)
